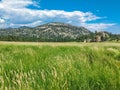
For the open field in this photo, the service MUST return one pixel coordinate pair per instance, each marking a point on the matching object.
(59, 66)
(60, 43)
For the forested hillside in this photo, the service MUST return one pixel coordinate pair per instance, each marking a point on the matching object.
(54, 32)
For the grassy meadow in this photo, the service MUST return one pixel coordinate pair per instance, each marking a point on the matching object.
(59, 66)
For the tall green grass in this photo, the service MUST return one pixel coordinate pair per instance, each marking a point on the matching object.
(25, 67)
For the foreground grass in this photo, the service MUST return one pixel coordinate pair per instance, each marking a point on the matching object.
(39, 67)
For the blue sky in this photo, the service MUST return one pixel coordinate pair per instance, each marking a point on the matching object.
(92, 14)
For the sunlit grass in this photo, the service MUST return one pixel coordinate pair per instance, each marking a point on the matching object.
(94, 66)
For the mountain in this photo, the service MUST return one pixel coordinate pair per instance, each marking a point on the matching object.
(54, 31)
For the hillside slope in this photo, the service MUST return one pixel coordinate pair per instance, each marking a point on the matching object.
(48, 32)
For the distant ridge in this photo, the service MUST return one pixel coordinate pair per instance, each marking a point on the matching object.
(54, 31)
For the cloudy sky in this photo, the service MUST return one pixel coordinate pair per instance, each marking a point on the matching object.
(92, 14)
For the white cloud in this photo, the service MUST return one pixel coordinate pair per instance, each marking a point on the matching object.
(36, 23)
(2, 21)
(98, 26)
(15, 3)
(15, 13)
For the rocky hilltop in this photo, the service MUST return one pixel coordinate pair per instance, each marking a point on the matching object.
(54, 31)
